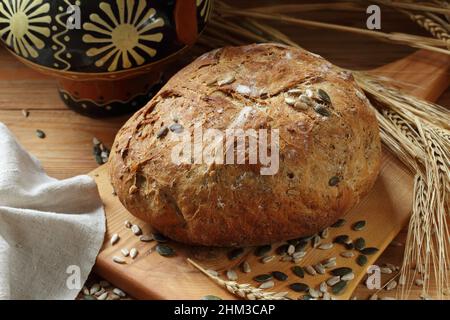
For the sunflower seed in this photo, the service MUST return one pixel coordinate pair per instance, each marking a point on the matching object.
(262, 250)
(360, 243)
(359, 225)
(374, 297)
(289, 101)
(94, 289)
(342, 239)
(310, 270)
(315, 241)
(305, 99)
(348, 276)
(326, 296)
(294, 242)
(103, 296)
(333, 280)
(299, 287)
(113, 297)
(295, 91)
(127, 224)
(361, 260)
(419, 282)
(314, 293)
(286, 258)
(125, 252)
(267, 285)
(263, 277)
(176, 128)
(228, 79)
(299, 105)
(390, 266)
(118, 260)
(342, 271)
(232, 275)
(245, 266)
(165, 250)
(320, 269)
(267, 259)
(282, 249)
(280, 276)
(301, 245)
(339, 287)
(114, 239)
(85, 291)
(119, 292)
(328, 262)
(162, 132)
(322, 110)
(334, 181)
(369, 251)
(347, 254)
(235, 253)
(339, 223)
(298, 271)
(385, 270)
(133, 253)
(325, 246)
(40, 134)
(100, 292)
(324, 233)
(146, 238)
(159, 237)
(298, 255)
(391, 285)
(135, 229)
(349, 246)
(324, 96)
(104, 284)
(290, 250)
(309, 93)
(323, 287)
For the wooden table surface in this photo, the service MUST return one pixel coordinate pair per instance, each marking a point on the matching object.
(67, 149)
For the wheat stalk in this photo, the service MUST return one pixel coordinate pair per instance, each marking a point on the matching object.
(245, 291)
(436, 29)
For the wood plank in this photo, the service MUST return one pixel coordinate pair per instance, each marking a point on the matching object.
(386, 210)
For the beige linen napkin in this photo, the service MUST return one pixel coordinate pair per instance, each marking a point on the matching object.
(50, 230)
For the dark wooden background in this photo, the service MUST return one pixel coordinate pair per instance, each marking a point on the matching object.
(67, 150)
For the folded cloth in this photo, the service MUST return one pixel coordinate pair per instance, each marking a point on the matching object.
(50, 230)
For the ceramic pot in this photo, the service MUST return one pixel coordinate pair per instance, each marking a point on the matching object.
(108, 55)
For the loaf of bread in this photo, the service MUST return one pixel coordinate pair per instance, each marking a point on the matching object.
(328, 148)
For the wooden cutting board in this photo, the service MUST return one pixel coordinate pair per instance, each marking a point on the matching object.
(386, 210)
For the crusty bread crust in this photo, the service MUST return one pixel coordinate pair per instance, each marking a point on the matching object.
(234, 205)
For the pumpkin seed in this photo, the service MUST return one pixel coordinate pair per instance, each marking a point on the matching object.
(361, 260)
(267, 285)
(315, 241)
(262, 250)
(282, 249)
(114, 239)
(359, 225)
(320, 269)
(119, 292)
(310, 270)
(314, 293)
(40, 134)
(211, 297)
(235, 253)
(136, 229)
(347, 254)
(94, 289)
(324, 96)
(160, 238)
(103, 296)
(323, 287)
(322, 110)
(165, 250)
(245, 266)
(125, 252)
(280, 276)
(341, 239)
(360, 244)
(263, 277)
(385, 270)
(299, 287)
(339, 287)
(232, 275)
(146, 238)
(342, 271)
(176, 128)
(267, 259)
(348, 276)
(369, 251)
(334, 181)
(291, 249)
(298, 271)
(118, 260)
(133, 253)
(325, 246)
(333, 280)
(289, 101)
(339, 223)
(162, 132)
